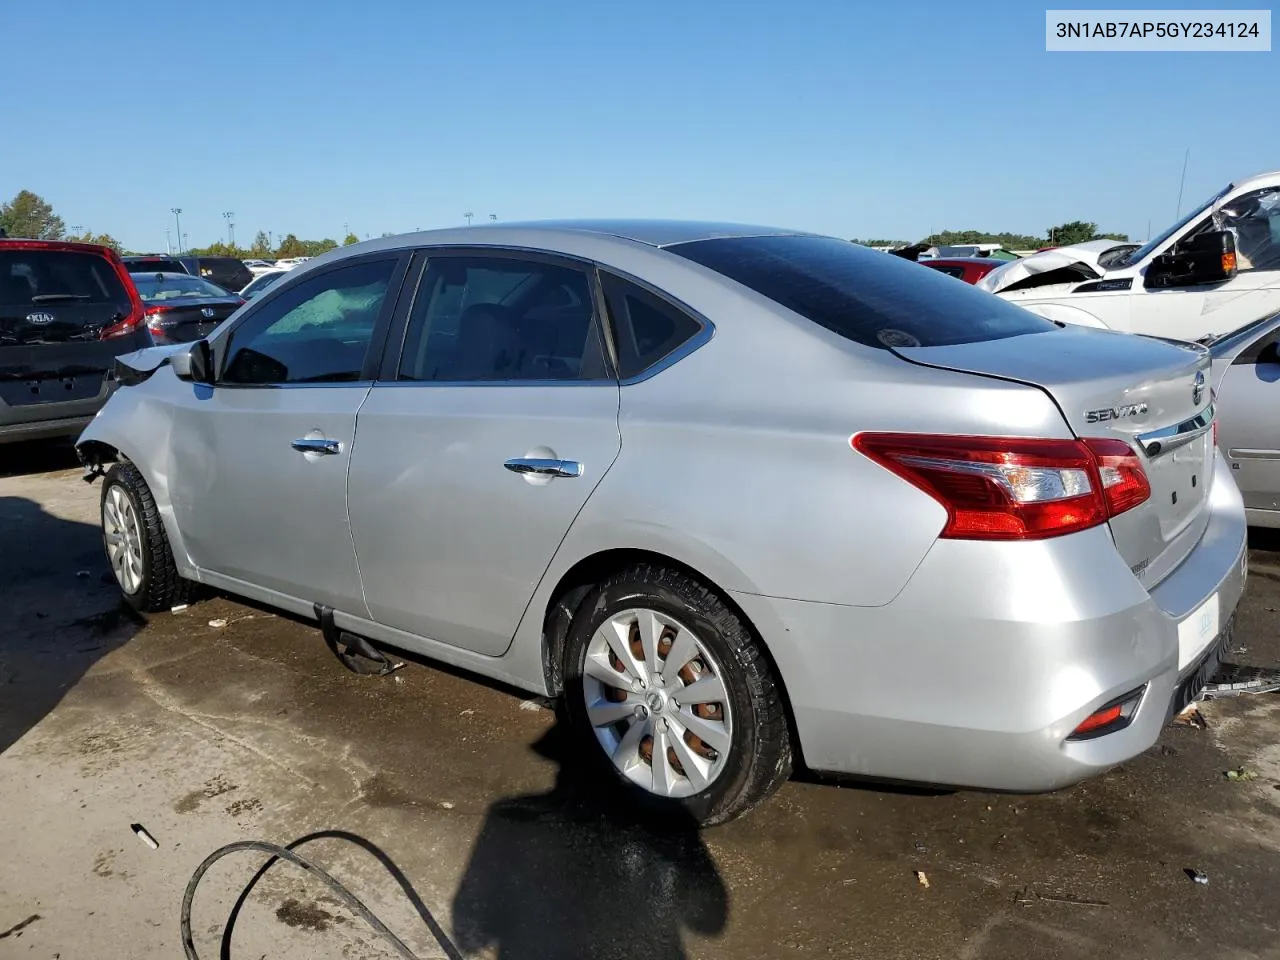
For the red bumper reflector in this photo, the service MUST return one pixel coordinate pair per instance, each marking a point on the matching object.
(1096, 720)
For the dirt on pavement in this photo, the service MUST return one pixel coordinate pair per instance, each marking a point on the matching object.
(445, 803)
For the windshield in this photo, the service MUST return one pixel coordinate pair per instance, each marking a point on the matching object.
(260, 283)
(863, 295)
(169, 286)
(1144, 251)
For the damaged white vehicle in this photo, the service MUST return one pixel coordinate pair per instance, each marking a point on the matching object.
(1213, 271)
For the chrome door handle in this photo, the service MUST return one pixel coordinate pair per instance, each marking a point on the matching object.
(545, 468)
(313, 445)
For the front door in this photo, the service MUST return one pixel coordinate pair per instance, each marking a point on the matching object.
(259, 461)
(476, 453)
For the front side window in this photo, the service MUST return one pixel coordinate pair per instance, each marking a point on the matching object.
(480, 318)
(1254, 219)
(318, 331)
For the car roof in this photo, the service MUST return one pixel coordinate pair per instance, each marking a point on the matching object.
(657, 233)
(22, 243)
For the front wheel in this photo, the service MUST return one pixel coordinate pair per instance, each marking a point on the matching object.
(673, 697)
(136, 544)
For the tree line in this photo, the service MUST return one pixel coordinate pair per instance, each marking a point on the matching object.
(30, 215)
(1064, 234)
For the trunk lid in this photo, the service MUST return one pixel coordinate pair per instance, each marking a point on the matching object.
(185, 322)
(1153, 394)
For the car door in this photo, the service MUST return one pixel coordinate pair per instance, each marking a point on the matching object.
(1189, 313)
(259, 460)
(491, 428)
(1249, 424)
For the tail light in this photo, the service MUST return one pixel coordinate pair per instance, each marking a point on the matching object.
(1006, 488)
(155, 317)
(135, 318)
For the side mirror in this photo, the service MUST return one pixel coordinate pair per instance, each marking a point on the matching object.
(1206, 258)
(194, 364)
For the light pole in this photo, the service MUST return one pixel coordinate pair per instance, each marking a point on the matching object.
(168, 241)
(468, 215)
(493, 218)
(231, 228)
(185, 240)
(76, 228)
(177, 224)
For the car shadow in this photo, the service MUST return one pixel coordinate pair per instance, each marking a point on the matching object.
(37, 456)
(574, 873)
(62, 611)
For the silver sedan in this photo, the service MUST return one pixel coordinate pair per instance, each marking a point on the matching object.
(743, 497)
(1246, 375)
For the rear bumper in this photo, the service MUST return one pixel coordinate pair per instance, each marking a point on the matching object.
(975, 675)
(44, 429)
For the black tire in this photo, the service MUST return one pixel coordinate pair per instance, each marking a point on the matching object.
(759, 759)
(161, 586)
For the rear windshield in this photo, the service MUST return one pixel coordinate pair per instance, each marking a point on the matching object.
(34, 277)
(173, 286)
(863, 295)
(135, 266)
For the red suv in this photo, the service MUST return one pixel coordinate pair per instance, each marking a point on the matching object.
(67, 310)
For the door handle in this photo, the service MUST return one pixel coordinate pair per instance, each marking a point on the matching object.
(314, 445)
(544, 468)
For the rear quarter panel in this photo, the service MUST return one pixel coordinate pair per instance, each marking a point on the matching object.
(736, 460)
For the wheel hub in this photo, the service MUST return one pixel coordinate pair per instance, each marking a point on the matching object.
(658, 703)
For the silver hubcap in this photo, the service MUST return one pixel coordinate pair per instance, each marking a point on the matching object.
(657, 701)
(124, 539)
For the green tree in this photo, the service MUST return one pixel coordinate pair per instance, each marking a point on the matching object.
(1075, 231)
(1010, 241)
(261, 245)
(313, 248)
(350, 239)
(28, 215)
(881, 243)
(103, 239)
(1080, 231)
(289, 247)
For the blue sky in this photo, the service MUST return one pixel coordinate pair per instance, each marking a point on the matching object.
(858, 119)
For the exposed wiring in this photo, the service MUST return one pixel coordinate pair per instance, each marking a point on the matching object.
(284, 853)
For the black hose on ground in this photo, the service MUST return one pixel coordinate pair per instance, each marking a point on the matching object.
(284, 853)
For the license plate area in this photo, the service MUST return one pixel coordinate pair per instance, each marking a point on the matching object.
(21, 393)
(1192, 685)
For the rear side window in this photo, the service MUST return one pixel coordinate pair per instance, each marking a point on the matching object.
(646, 328)
(34, 277)
(861, 294)
(502, 319)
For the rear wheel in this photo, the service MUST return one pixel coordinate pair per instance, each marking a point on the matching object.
(673, 698)
(136, 544)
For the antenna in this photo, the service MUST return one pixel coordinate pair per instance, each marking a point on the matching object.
(1182, 183)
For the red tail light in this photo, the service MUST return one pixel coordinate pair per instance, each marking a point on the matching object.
(130, 323)
(1005, 488)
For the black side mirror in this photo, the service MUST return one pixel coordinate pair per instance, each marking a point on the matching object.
(1206, 258)
(194, 364)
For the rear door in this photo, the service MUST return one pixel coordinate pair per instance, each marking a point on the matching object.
(481, 444)
(65, 314)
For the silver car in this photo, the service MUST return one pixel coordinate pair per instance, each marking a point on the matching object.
(744, 497)
(1246, 375)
